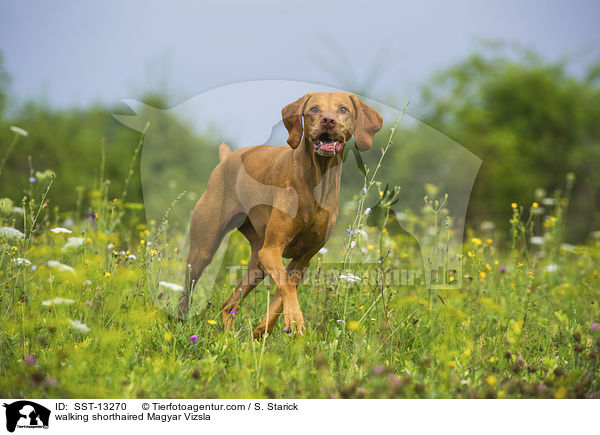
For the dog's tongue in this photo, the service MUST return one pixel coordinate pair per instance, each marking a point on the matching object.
(328, 146)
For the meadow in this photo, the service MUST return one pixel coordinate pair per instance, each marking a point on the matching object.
(79, 318)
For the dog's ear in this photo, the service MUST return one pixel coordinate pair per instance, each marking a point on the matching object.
(368, 122)
(292, 119)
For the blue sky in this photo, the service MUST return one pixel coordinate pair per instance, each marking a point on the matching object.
(73, 53)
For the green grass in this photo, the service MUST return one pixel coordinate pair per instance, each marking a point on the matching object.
(521, 325)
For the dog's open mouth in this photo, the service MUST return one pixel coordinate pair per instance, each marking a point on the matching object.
(326, 145)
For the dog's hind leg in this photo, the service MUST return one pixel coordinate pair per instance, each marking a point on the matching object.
(253, 276)
(207, 229)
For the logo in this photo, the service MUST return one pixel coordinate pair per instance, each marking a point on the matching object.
(26, 414)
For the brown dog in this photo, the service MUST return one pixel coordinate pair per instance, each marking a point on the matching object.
(284, 200)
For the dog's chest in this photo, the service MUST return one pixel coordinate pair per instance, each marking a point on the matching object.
(316, 225)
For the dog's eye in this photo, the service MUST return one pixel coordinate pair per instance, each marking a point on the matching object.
(343, 109)
(314, 109)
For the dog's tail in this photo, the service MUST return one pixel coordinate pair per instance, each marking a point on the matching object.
(224, 151)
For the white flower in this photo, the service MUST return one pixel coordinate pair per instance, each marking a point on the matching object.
(87, 282)
(487, 225)
(18, 130)
(567, 247)
(17, 210)
(353, 243)
(551, 268)
(349, 277)
(11, 234)
(73, 242)
(548, 201)
(79, 325)
(60, 266)
(131, 257)
(537, 240)
(323, 251)
(368, 211)
(21, 261)
(59, 230)
(171, 286)
(57, 301)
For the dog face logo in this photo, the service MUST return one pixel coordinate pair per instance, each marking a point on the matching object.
(26, 414)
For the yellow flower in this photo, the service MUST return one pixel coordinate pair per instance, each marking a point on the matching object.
(142, 242)
(96, 215)
(211, 322)
(470, 254)
(244, 262)
(514, 205)
(86, 261)
(361, 308)
(491, 380)
(476, 241)
(353, 325)
(88, 240)
(452, 363)
(496, 262)
(107, 274)
(500, 394)
(488, 267)
(493, 359)
(489, 241)
(482, 275)
(535, 205)
(561, 393)
(167, 337)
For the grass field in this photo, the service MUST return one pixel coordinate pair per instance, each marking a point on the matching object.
(78, 319)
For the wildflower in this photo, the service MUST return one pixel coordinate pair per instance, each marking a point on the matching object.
(167, 337)
(79, 325)
(348, 232)
(378, 370)
(595, 327)
(353, 243)
(323, 251)
(32, 180)
(171, 286)
(368, 211)
(57, 301)
(487, 225)
(59, 230)
(567, 247)
(491, 380)
(131, 257)
(107, 274)
(548, 201)
(29, 360)
(488, 267)
(353, 325)
(482, 275)
(211, 322)
(193, 339)
(476, 241)
(59, 266)
(233, 313)
(537, 240)
(514, 205)
(21, 261)
(364, 190)
(489, 241)
(72, 243)
(502, 269)
(18, 130)
(11, 234)
(535, 205)
(561, 393)
(551, 268)
(349, 277)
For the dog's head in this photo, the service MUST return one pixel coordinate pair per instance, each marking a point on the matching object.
(330, 120)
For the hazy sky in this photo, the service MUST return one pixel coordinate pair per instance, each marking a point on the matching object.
(75, 53)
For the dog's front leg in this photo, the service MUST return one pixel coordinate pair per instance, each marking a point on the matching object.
(280, 231)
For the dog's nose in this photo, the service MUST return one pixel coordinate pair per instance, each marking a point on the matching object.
(328, 121)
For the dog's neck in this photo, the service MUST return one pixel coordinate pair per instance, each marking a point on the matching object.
(321, 174)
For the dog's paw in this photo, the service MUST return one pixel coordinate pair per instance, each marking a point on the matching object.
(293, 321)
